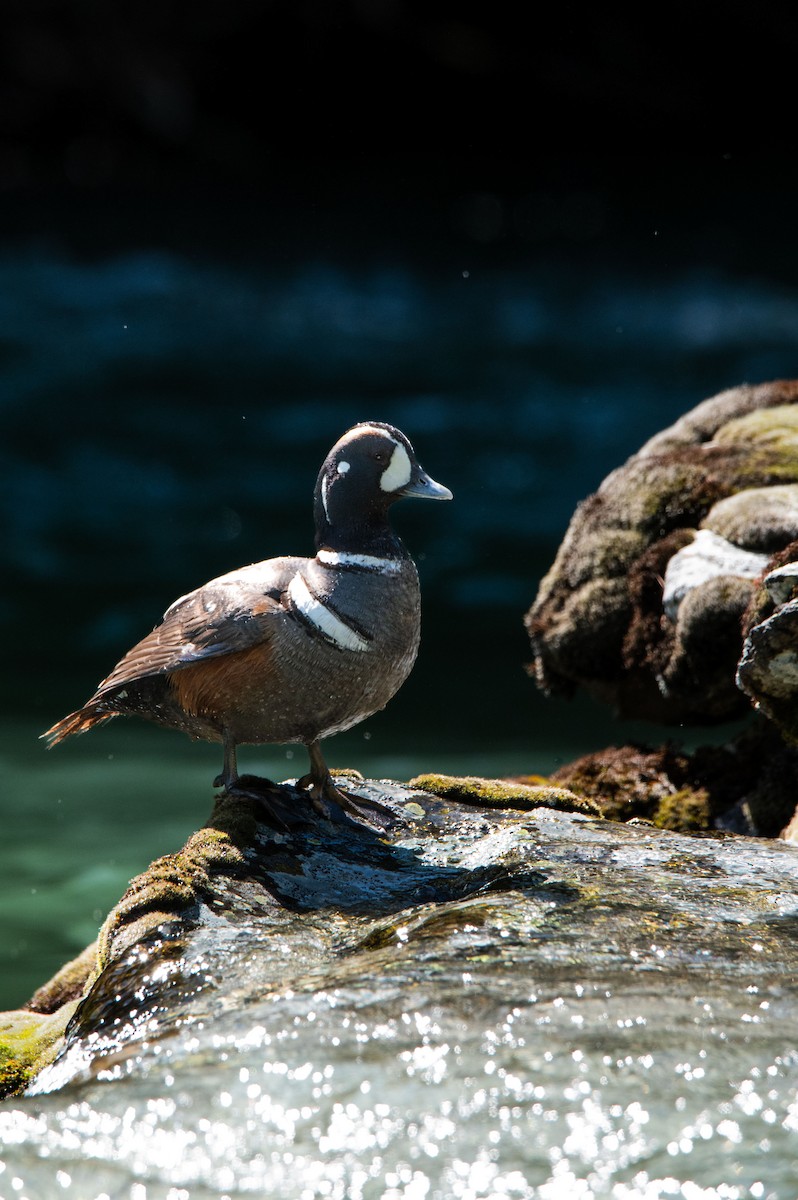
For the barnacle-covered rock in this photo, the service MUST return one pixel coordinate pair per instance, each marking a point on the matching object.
(645, 601)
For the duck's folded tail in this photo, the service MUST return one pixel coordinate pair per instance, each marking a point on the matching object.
(76, 722)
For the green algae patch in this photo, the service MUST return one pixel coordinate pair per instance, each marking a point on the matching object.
(499, 793)
(29, 1042)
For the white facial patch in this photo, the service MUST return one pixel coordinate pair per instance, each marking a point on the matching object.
(398, 471)
(326, 621)
(343, 467)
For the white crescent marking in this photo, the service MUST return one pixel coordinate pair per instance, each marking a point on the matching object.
(325, 621)
(398, 471)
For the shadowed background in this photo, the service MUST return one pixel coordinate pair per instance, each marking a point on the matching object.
(231, 231)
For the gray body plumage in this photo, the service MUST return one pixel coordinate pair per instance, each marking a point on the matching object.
(306, 686)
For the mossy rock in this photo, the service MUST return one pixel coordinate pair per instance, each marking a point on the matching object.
(69, 983)
(29, 1041)
(772, 427)
(764, 520)
(687, 811)
(625, 782)
(501, 793)
(598, 621)
(688, 793)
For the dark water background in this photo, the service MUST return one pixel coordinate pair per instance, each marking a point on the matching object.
(173, 370)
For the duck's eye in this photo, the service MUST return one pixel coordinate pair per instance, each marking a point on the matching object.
(379, 455)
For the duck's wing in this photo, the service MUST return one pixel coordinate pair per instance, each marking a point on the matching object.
(231, 613)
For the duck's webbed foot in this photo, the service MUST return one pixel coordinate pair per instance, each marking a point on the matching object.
(325, 795)
(273, 799)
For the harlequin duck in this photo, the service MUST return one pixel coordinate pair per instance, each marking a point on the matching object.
(291, 649)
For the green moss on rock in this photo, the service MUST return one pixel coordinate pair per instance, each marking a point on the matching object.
(625, 782)
(501, 793)
(773, 427)
(687, 811)
(29, 1041)
(30, 1037)
(690, 792)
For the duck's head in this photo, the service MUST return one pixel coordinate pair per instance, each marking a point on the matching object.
(369, 467)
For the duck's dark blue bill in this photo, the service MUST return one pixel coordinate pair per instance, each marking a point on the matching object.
(425, 489)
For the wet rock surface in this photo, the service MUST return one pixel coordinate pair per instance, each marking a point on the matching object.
(238, 863)
(645, 601)
(479, 1001)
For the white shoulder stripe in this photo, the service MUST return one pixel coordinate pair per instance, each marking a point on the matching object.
(333, 628)
(339, 558)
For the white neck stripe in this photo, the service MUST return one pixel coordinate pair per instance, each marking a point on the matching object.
(340, 558)
(333, 628)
